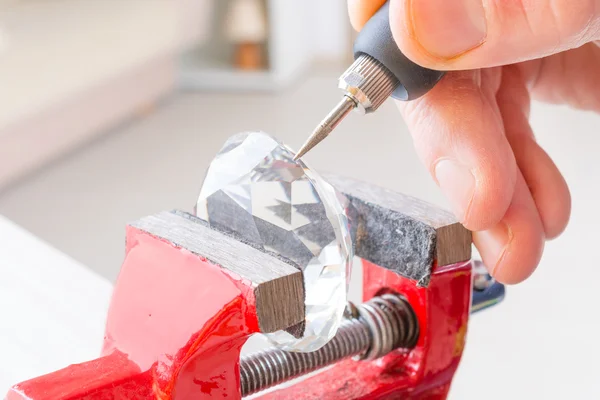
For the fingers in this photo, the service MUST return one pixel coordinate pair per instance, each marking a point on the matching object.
(567, 78)
(458, 134)
(541, 204)
(513, 248)
(361, 10)
(545, 182)
(466, 34)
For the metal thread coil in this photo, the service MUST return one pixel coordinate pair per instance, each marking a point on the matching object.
(368, 82)
(379, 326)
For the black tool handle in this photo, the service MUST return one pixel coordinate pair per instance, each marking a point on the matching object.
(377, 41)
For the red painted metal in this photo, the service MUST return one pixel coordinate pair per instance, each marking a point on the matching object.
(177, 322)
(424, 373)
(175, 328)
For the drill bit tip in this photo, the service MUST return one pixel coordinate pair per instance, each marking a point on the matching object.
(319, 134)
(341, 110)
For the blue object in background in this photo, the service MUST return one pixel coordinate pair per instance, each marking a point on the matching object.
(486, 291)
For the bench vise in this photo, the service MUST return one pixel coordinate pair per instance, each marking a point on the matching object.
(188, 297)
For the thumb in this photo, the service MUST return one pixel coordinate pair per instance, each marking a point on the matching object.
(465, 34)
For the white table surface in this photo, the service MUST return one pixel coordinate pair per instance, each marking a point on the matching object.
(52, 308)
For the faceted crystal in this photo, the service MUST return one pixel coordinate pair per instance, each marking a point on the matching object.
(254, 189)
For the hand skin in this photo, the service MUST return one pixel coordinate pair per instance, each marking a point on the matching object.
(472, 130)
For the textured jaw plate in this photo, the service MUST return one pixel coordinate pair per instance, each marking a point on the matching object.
(401, 233)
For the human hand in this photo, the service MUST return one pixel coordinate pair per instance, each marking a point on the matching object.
(472, 130)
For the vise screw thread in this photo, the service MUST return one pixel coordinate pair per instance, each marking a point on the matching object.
(371, 330)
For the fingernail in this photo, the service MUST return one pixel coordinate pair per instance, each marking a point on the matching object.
(458, 184)
(448, 28)
(492, 245)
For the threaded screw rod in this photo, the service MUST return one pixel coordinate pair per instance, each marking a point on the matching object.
(379, 326)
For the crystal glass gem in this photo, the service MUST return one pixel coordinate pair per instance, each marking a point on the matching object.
(255, 190)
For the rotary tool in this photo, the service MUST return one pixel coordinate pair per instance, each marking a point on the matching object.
(379, 71)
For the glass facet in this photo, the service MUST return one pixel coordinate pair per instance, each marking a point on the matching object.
(254, 189)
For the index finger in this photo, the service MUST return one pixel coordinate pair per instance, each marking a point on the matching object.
(459, 136)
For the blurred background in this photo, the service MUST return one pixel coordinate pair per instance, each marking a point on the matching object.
(111, 110)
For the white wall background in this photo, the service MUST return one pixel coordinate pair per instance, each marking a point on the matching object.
(331, 30)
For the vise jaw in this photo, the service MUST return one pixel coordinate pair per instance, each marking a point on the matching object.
(401, 233)
(188, 297)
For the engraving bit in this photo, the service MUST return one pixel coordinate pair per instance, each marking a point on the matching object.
(379, 71)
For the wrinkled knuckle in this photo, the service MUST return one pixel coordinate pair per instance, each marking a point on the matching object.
(575, 22)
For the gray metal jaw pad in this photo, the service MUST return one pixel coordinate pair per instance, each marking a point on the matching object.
(402, 233)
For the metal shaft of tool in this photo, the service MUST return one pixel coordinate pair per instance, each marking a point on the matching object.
(328, 124)
(366, 85)
(377, 327)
